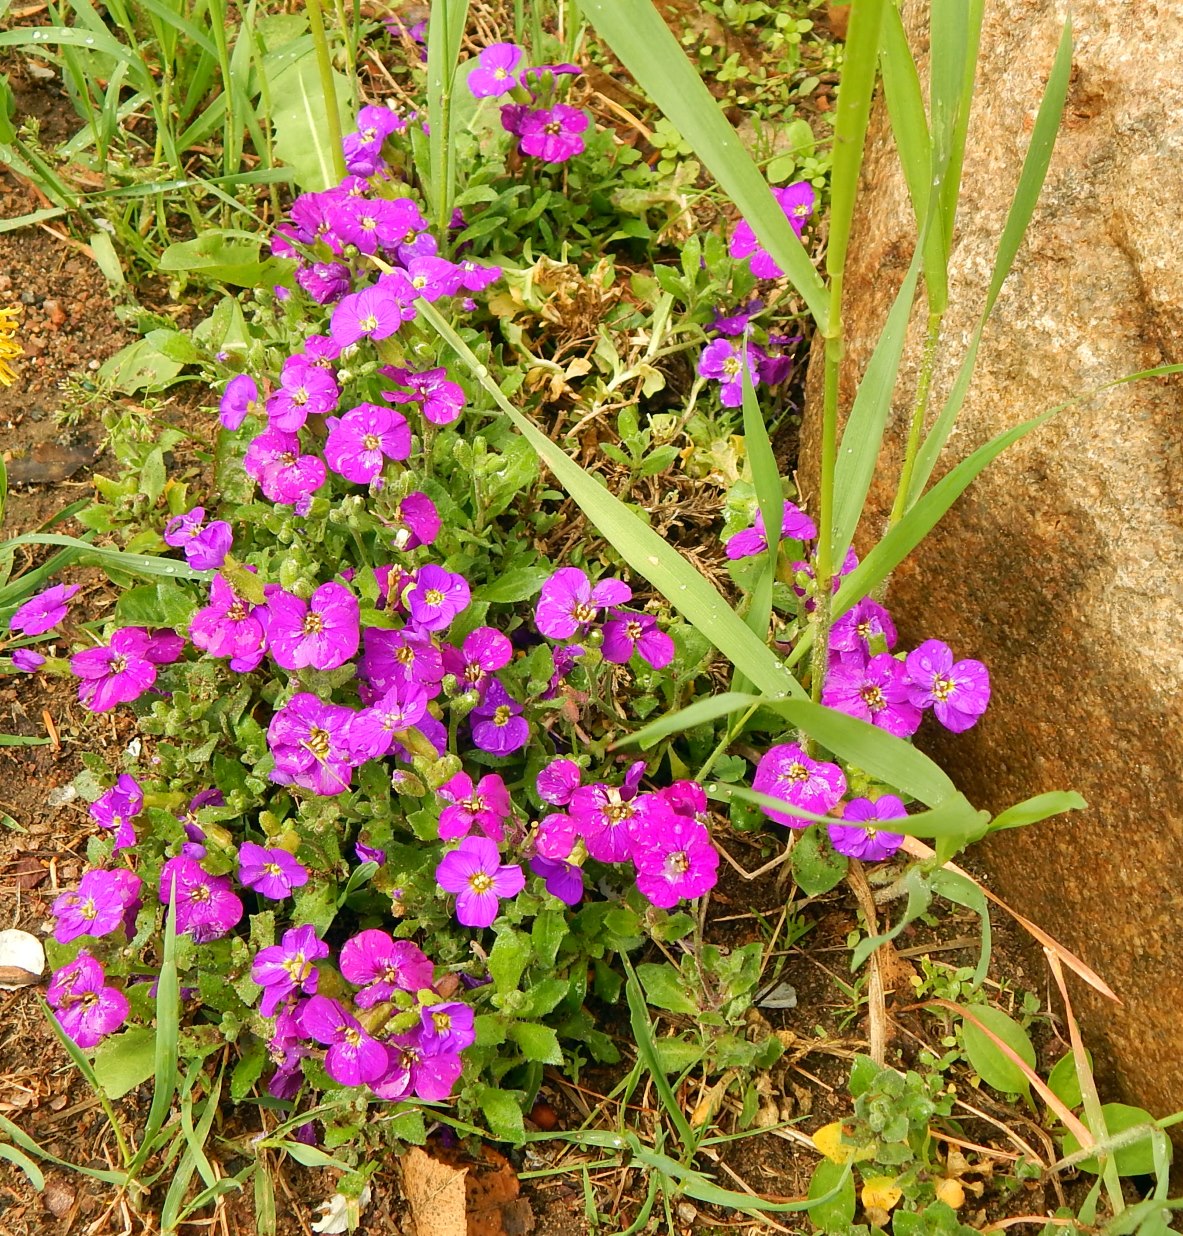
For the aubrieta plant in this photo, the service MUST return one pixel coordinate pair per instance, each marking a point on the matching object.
(381, 794)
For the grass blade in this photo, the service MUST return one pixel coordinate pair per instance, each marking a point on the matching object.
(120, 560)
(1035, 166)
(635, 32)
(646, 552)
(447, 22)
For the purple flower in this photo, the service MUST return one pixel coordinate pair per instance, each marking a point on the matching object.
(446, 1027)
(240, 397)
(86, 1009)
(475, 873)
(415, 522)
(205, 545)
(391, 656)
(44, 611)
(287, 967)
(608, 816)
(272, 873)
(325, 282)
(957, 693)
(117, 808)
(795, 525)
(876, 691)
(562, 879)
(322, 632)
(27, 660)
(497, 726)
(483, 651)
(723, 361)
(207, 906)
(494, 73)
(568, 603)
(626, 633)
(418, 1067)
(304, 389)
(475, 277)
(369, 853)
(432, 277)
(675, 860)
(862, 632)
(485, 804)
(564, 659)
(373, 313)
(552, 134)
(354, 1058)
(99, 906)
(231, 626)
(381, 966)
(435, 596)
(797, 201)
(284, 475)
(116, 673)
(556, 835)
(310, 742)
(736, 322)
(787, 772)
(374, 730)
(558, 781)
(857, 836)
(440, 400)
(361, 441)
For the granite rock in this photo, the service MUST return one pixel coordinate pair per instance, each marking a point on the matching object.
(1062, 567)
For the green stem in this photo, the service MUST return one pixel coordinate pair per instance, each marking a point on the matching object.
(324, 66)
(928, 360)
(349, 34)
(732, 732)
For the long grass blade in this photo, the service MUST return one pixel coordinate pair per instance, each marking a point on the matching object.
(447, 22)
(117, 559)
(635, 32)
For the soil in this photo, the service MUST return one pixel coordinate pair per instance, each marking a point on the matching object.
(69, 327)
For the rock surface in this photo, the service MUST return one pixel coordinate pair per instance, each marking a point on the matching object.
(1062, 567)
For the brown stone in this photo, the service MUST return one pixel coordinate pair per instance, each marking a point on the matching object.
(1062, 567)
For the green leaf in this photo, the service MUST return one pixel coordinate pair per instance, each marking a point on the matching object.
(538, 1043)
(635, 32)
(1033, 810)
(503, 1113)
(518, 584)
(817, 868)
(1136, 1159)
(139, 367)
(1064, 1082)
(301, 135)
(665, 988)
(834, 1182)
(448, 18)
(221, 256)
(984, 1055)
(14, 1156)
(508, 959)
(962, 890)
(155, 605)
(124, 1061)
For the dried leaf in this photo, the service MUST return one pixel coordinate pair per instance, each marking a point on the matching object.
(435, 1193)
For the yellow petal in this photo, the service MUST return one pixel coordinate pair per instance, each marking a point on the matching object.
(951, 1193)
(828, 1140)
(880, 1193)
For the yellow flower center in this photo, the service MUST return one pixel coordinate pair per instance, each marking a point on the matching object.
(481, 882)
(371, 442)
(313, 623)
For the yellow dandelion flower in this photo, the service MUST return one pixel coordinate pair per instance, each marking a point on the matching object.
(9, 349)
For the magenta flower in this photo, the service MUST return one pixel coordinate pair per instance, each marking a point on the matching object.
(862, 632)
(205, 545)
(361, 441)
(795, 525)
(354, 1058)
(475, 277)
(475, 873)
(373, 313)
(435, 596)
(858, 835)
(957, 693)
(231, 626)
(486, 804)
(288, 967)
(374, 730)
(626, 633)
(271, 872)
(26, 660)
(240, 397)
(555, 836)
(322, 632)
(418, 1067)
(117, 808)
(446, 1027)
(381, 966)
(876, 691)
(495, 70)
(285, 476)
(42, 612)
(325, 282)
(116, 673)
(722, 360)
(797, 202)
(86, 1008)
(415, 522)
(207, 906)
(309, 740)
(483, 652)
(562, 879)
(552, 134)
(568, 603)
(558, 781)
(675, 861)
(440, 400)
(99, 906)
(736, 322)
(432, 277)
(304, 389)
(787, 772)
(497, 724)
(391, 656)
